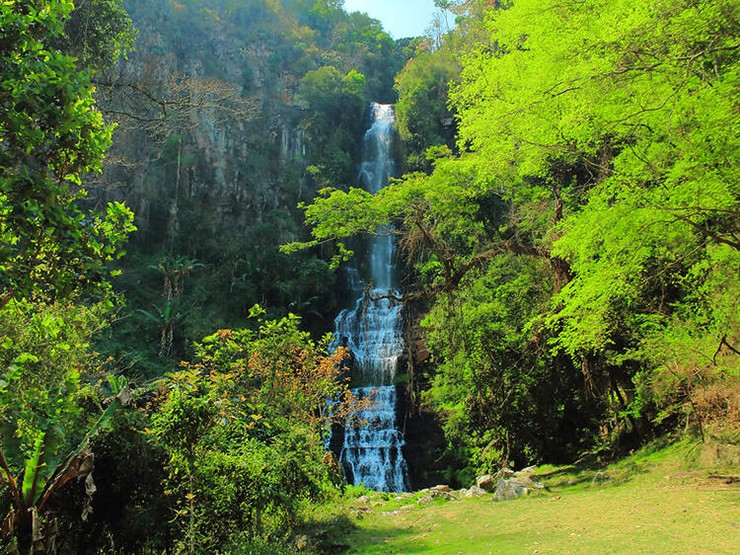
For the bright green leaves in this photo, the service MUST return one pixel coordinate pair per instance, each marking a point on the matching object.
(30, 472)
(242, 427)
(560, 80)
(53, 253)
(43, 354)
(339, 215)
(436, 217)
(52, 136)
(423, 118)
(629, 111)
(495, 390)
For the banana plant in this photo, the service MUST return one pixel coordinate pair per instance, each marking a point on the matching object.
(44, 473)
(165, 318)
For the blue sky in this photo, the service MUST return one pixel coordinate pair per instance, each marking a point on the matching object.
(400, 18)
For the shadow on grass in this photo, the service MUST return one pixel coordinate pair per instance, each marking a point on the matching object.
(600, 469)
(343, 534)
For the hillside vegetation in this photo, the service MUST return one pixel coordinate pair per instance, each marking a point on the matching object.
(570, 228)
(575, 250)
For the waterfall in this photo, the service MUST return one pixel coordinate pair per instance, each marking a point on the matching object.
(372, 330)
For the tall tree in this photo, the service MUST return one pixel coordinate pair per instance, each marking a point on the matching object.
(52, 137)
(53, 263)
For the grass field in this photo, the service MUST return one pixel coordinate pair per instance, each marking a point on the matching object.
(662, 500)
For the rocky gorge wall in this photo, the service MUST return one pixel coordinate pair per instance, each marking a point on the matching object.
(207, 122)
(228, 115)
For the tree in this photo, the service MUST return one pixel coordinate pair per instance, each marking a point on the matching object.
(98, 33)
(51, 137)
(243, 424)
(423, 117)
(44, 432)
(335, 105)
(53, 264)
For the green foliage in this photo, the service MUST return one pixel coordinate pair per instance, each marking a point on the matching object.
(504, 400)
(53, 255)
(242, 426)
(98, 33)
(51, 137)
(604, 161)
(44, 352)
(335, 105)
(423, 118)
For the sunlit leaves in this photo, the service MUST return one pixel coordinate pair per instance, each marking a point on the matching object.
(243, 424)
(52, 136)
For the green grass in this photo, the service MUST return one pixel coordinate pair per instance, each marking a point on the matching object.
(661, 500)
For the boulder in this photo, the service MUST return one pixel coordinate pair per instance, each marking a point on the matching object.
(509, 489)
(441, 488)
(474, 491)
(503, 473)
(443, 492)
(527, 472)
(487, 482)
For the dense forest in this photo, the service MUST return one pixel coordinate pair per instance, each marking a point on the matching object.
(178, 191)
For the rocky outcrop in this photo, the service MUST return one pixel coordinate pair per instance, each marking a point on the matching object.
(208, 135)
(504, 485)
(507, 484)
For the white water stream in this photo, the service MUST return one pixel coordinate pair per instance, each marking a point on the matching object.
(372, 330)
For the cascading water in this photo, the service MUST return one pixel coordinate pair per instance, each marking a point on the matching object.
(372, 330)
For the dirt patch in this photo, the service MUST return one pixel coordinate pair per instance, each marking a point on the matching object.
(719, 454)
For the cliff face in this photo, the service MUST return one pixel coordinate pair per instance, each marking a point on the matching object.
(207, 123)
(210, 110)
(229, 114)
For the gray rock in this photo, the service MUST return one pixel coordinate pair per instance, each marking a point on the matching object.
(426, 500)
(525, 475)
(503, 473)
(474, 491)
(447, 494)
(486, 482)
(509, 489)
(441, 488)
